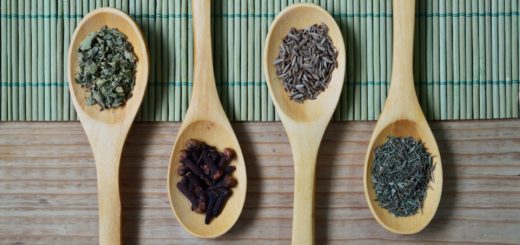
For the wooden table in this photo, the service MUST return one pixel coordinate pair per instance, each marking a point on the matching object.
(48, 186)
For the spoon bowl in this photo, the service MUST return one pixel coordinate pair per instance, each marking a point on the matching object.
(219, 136)
(206, 121)
(415, 223)
(305, 123)
(93, 22)
(107, 130)
(300, 16)
(402, 117)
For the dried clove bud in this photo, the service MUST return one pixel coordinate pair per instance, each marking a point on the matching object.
(217, 174)
(229, 169)
(200, 193)
(219, 204)
(229, 154)
(201, 208)
(192, 143)
(230, 182)
(206, 169)
(226, 182)
(212, 153)
(183, 155)
(184, 189)
(213, 170)
(195, 154)
(212, 195)
(222, 161)
(193, 167)
(194, 182)
(206, 177)
(182, 170)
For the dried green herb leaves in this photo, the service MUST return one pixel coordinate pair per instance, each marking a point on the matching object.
(107, 67)
(305, 62)
(401, 172)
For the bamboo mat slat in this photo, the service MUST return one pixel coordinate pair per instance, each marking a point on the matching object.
(466, 57)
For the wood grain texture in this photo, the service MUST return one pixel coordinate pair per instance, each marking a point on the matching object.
(106, 130)
(206, 121)
(402, 116)
(304, 123)
(48, 192)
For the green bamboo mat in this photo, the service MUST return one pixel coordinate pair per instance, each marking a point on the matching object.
(466, 57)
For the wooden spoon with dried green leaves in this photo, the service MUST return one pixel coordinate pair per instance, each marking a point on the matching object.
(107, 129)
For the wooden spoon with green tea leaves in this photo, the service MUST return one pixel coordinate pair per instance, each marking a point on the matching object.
(402, 117)
(107, 129)
(305, 123)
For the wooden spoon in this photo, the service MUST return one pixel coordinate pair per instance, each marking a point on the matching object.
(305, 123)
(107, 130)
(402, 116)
(206, 121)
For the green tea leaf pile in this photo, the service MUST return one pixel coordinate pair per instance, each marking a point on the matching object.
(401, 172)
(107, 66)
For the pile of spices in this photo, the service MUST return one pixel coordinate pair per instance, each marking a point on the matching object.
(206, 177)
(401, 172)
(107, 66)
(305, 63)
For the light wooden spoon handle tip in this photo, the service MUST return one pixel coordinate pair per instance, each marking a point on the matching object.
(107, 168)
(304, 154)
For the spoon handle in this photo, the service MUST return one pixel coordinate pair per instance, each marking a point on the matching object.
(204, 97)
(403, 41)
(107, 158)
(304, 153)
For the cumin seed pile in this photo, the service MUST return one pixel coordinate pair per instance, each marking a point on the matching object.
(305, 62)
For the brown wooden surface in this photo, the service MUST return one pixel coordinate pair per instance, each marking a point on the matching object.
(48, 186)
